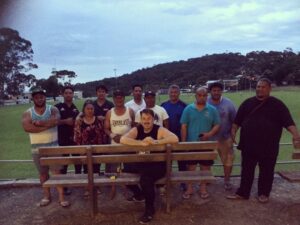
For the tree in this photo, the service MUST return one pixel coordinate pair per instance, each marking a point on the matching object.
(63, 74)
(51, 86)
(16, 56)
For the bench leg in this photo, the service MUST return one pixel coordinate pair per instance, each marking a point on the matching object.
(168, 198)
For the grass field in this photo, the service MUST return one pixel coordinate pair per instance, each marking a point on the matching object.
(14, 142)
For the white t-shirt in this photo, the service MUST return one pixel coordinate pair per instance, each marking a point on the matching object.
(120, 124)
(160, 114)
(135, 107)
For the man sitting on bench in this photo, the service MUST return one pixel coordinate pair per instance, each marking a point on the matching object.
(147, 133)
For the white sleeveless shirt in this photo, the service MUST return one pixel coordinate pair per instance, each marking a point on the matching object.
(48, 136)
(120, 124)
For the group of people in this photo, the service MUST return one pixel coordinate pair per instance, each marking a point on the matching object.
(141, 122)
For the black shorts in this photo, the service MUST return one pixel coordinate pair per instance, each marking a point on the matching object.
(201, 162)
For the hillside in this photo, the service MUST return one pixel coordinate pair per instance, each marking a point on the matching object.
(280, 67)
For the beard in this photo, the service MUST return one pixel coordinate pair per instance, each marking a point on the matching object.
(40, 105)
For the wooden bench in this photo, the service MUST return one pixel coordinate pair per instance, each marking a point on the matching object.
(125, 154)
(292, 176)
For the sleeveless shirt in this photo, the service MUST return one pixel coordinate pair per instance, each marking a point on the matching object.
(120, 124)
(45, 137)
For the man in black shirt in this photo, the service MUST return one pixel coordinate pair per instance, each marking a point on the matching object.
(261, 119)
(68, 113)
(101, 104)
(148, 133)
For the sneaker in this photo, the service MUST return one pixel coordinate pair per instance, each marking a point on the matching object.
(235, 197)
(227, 186)
(136, 199)
(146, 218)
(263, 199)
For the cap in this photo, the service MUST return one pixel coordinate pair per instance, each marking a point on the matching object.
(149, 93)
(37, 90)
(118, 93)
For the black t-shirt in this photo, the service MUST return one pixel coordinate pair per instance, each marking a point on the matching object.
(261, 131)
(103, 109)
(141, 134)
(66, 132)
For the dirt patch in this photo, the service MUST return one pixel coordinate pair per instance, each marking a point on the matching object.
(19, 206)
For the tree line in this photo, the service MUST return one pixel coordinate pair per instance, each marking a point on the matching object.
(16, 60)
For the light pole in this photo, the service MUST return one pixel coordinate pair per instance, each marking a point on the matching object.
(115, 71)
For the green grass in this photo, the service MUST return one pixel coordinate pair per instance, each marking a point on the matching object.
(14, 142)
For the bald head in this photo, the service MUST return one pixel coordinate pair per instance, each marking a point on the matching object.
(201, 96)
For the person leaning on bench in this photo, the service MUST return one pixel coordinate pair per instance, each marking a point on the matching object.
(40, 121)
(147, 133)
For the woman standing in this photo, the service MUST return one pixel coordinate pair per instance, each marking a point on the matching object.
(89, 130)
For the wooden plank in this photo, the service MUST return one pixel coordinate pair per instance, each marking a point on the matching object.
(296, 154)
(203, 145)
(119, 148)
(184, 156)
(67, 180)
(58, 150)
(152, 157)
(292, 176)
(63, 160)
(121, 179)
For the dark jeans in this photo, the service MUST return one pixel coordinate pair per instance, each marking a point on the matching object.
(150, 173)
(133, 168)
(266, 174)
(182, 165)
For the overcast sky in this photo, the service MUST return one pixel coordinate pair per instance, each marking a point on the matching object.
(92, 37)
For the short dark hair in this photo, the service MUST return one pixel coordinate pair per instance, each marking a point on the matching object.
(147, 111)
(137, 85)
(67, 87)
(101, 86)
(264, 79)
(215, 84)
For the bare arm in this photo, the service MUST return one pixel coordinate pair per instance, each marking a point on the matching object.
(132, 116)
(166, 123)
(68, 121)
(130, 138)
(107, 123)
(52, 122)
(234, 129)
(211, 133)
(165, 136)
(28, 125)
(183, 132)
(295, 134)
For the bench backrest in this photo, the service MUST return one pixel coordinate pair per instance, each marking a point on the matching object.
(124, 153)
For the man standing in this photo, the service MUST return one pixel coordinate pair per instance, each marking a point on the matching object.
(174, 107)
(68, 113)
(101, 104)
(118, 121)
(40, 121)
(261, 119)
(160, 114)
(148, 133)
(101, 107)
(227, 114)
(199, 121)
(137, 103)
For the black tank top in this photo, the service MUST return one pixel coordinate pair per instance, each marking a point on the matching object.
(153, 133)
